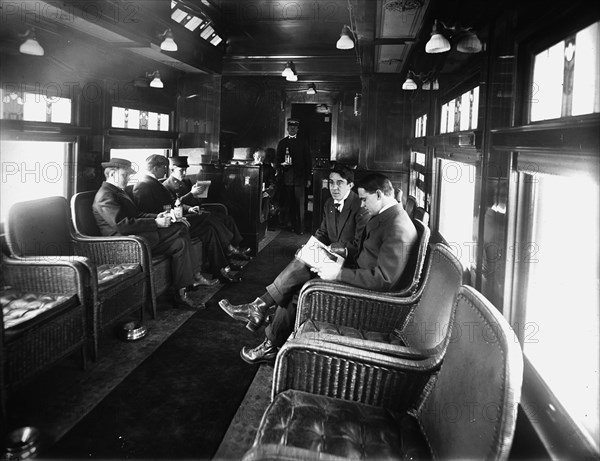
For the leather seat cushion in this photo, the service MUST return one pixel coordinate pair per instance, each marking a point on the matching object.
(312, 326)
(335, 427)
(109, 274)
(19, 307)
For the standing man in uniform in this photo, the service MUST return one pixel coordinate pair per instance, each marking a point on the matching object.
(293, 156)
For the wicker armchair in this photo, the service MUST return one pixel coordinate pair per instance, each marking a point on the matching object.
(374, 331)
(45, 304)
(42, 228)
(468, 412)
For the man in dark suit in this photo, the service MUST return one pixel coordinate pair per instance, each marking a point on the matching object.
(342, 231)
(117, 214)
(295, 161)
(151, 196)
(383, 252)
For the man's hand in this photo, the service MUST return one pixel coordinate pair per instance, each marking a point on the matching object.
(329, 271)
(198, 191)
(339, 249)
(194, 209)
(163, 220)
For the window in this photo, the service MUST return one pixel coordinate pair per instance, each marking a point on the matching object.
(32, 170)
(34, 107)
(456, 204)
(558, 304)
(460, 114)
(124, 117)
(566, 78)
(417, 178)
(421, 126)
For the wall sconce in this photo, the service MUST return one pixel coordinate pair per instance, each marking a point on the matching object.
(31, 45)
(312, 90)
(345, 42)
(168, 43)
(467, 41)
(428, 81)
(292, 78)
(156, 82)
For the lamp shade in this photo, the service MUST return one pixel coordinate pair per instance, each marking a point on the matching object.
(469, 43)
(168, 44)
(292, 78)
(409, 84)
(156, 81)
(311, 89)
(437, 44)
(31, 46)
(345, 42)
(288, 70)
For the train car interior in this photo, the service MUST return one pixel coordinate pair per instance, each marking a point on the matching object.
(483, 116)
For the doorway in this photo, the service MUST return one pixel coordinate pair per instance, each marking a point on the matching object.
(315, 126)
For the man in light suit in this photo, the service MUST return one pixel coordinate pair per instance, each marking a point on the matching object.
(117, 214)
(343, 233)
(383, 252)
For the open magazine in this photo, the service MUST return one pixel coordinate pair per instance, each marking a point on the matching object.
(205, 185)
(315, 255)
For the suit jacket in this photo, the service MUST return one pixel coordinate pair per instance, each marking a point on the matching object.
(384, 251)
(350, 226)
(183, 189)
(117, 214)
(300, 171)
(150, 195)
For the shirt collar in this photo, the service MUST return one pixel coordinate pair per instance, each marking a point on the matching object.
(386, 207)
(292, 137)
(341, 202)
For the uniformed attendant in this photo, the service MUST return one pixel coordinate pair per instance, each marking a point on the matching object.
(295, 161)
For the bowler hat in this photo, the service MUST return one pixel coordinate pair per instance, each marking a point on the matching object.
(181, 162)
(119, 163)
(156, 160)
(293, 121)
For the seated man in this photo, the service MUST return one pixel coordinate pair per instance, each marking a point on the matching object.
(151, 197)
(227, 230)
(375, 262)
(116, 214)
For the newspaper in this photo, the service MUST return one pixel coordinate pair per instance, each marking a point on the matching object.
(315, 255)
(204, 185)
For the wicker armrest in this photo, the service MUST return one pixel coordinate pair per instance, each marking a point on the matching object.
(114, 250)
(346, 305)
(333, 370)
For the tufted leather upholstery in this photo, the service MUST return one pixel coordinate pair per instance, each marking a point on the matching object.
(42, 229)
(411, 204)
(19, 306)
(467, 412)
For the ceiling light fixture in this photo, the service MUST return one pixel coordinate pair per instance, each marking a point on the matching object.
(30, 45)
(168, 43)
(345, 42)
(311, 89)
(156, 82)
(292, 78)
(428, 81)
(441, 34)
(288, 69)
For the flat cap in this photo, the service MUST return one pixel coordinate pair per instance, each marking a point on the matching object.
(156, 160)
(181, 162)
(119, 163)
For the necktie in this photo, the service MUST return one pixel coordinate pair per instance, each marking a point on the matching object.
(337, 215)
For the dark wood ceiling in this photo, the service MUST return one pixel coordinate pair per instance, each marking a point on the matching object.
(260, 36)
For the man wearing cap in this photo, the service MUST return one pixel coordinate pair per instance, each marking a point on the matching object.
(180, 186)
(151, 196)
(117, 214)
(294, 159)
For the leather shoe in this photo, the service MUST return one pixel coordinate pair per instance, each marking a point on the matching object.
(226, 275)
(201, 281)
(253, 314)
(182, 299)
(238, 253)
(235, 267)
(265, 352)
